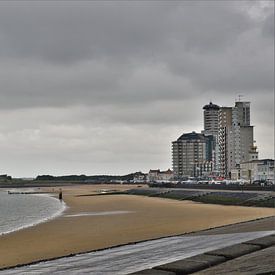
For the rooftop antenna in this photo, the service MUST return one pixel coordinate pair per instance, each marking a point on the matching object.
(239, 97)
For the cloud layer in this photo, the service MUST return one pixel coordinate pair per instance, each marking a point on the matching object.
(104, 87)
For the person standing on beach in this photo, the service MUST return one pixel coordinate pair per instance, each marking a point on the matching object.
(60, 194)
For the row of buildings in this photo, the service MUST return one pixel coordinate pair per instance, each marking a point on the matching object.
(154, 176)
(224, 148)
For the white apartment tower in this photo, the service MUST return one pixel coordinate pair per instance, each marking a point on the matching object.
(235, 137)
(242, 134)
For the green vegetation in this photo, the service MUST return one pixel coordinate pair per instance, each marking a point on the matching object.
(84, 178)
(5, 178)
(268, 202)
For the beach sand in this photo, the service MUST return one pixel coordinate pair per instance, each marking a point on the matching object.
(113, 220)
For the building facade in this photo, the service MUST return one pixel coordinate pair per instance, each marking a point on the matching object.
(253, 153)
(235, 137)
(241, 137)
(192, 153)
(139, 177)
(225, 129)
(258, 170)
(211, 127)
(160, 176)
(211, 119)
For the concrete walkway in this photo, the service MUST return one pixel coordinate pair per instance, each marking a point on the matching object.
(262, 261)
(131, 258)
(251, 257)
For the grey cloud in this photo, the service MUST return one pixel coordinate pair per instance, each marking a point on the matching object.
(88, 53)
(209, 27)
(76, 31)
(113, 84)
(246, 66)
(69, 32)
(268, 26)
(88, 83)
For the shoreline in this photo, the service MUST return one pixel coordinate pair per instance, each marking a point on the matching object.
(65, 236)
(46, 219)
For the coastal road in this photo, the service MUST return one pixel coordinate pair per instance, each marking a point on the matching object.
(134, 257)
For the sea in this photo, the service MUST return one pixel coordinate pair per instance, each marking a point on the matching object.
(18, 211)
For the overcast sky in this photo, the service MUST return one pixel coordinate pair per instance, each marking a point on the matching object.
(105, 87)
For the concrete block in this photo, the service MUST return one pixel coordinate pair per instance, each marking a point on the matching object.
(153, 272)
(235, 251)
(258, 262)
(263, 242)
(192, 264)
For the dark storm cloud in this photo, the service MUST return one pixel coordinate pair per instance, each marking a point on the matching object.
(65, 32)
(87, 80)
(72, 31)
(87, 52)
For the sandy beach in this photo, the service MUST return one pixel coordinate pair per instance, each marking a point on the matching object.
(96, 222)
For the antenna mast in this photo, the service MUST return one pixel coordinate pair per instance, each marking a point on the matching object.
(240, 97)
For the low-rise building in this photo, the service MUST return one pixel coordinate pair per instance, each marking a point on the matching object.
(204, 169)
(258, 170)
(160, 176)
(139, 177)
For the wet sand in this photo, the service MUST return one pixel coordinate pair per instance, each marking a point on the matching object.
(96, 222)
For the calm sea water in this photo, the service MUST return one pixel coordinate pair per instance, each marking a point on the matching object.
(19, 211)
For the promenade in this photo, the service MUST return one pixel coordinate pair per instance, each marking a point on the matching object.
(152, 254)
(247, 258)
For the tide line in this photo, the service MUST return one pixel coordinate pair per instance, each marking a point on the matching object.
(102, 213)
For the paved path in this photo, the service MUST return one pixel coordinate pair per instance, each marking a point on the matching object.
(131, 258)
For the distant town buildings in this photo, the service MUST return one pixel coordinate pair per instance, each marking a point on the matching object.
(139, 177)
(225, 148)
(160, 176)
(257, 170)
